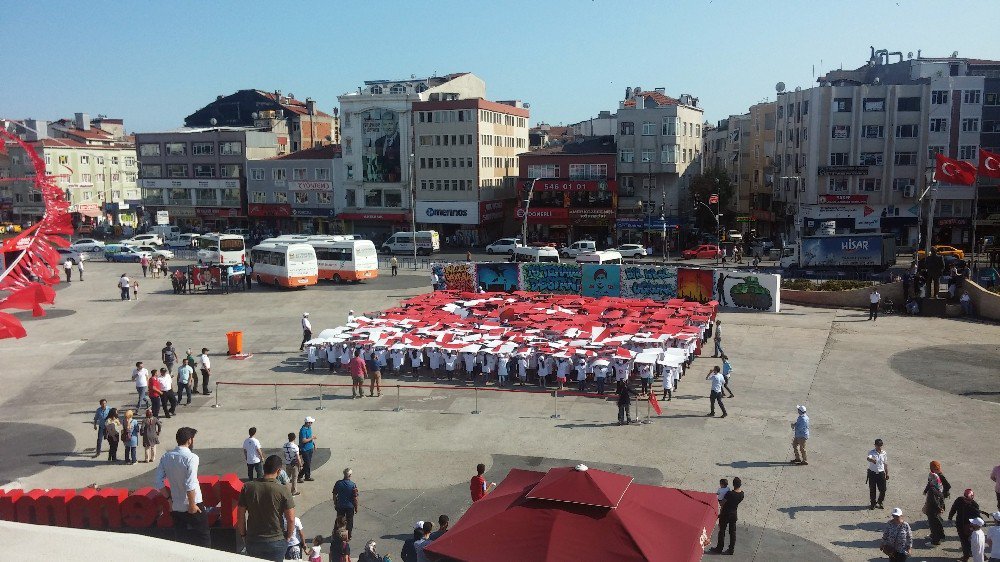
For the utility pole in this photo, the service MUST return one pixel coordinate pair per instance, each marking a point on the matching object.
(527, 206)
(413, 212)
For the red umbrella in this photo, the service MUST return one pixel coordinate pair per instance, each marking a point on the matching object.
(579, 514)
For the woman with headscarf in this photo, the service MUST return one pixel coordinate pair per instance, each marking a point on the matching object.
(963, 510)
(934, 502)
(369, 554)
(130, 436)
(113, 433)
(151, 427)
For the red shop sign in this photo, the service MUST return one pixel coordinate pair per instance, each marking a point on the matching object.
(269, 210)
(391, 217)
(843, 199)
(212, 212)
(544, 214)
(490, 211)
(571, 186)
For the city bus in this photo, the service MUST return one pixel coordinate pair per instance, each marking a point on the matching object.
(223, 249)
(284, 265)
(346, 260)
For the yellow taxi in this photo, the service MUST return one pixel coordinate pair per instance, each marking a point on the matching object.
(944, 251)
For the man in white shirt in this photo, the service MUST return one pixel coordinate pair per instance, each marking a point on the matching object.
(179, 467)
(993, 537)
(140, 376)
(307, 330)
(874, 298)
(124, 284)
(184, 373)
(293, 461)
(350, 317)
(717, 380)
(68, 267)
(253, 455)
(878, 474)
(977, 540)
(206, 370)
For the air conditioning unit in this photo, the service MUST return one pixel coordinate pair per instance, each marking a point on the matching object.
(909, 191)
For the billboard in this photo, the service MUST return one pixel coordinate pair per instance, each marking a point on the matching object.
(380, 150)
(600, 280)
(743, 289)
(550, 277)
(695, 284)
(501, 276)
(649, 281)
(863, 250)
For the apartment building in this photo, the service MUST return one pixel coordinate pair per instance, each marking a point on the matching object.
(659, 141)
(298, 192)
(466, 165)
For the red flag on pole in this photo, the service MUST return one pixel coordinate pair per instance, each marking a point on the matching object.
(953, 171)
(989, 163)
(655, 404)
(713, 199)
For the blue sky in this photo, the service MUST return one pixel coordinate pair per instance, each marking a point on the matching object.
(153, 63)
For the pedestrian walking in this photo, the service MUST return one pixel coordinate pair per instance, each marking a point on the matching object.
(293, 462)
(375, 373)
(897, 538)
(194, 370)
(253, 456)
(801, 434)
(184, 374)
(79, 268)
(874, 298)
(167, 397)
(135, 289)
(478, 486)
(307, 332)
(728, 516)
(307, 444)
(345, 500)
(140, 376)
(310, 358)
(394, 264)
(206, 371)
(727, 371)
(124, 284)
(113, 433)
(156, 394)
(68, 268)
(100, 418)
(934, 502)
(150, 431)
(717, 338)
(130, 436)
(180, 467)
(995, 477)
(358, 370)
(262, 506)
(715, 396)
(293, 550)
(625, 395)
(977, 539)
(963, 510)
(350, 317)
(424, 540)
(144, 262)
(993, 538)
(878, 474)
(169, 356)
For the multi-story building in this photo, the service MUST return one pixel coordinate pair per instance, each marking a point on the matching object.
(377, 128)
(96, 168)
(659, 152)
(575, 192)
(466, 159)
(606, 123)
(297, 124)
(856, 149)
(198, 175)
(297, 192)
(759, 167)
(987, 213)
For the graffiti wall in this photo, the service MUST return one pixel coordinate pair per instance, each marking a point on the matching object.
(649, 281)
(454, 277)
(600, 280)
(744, 289)
(695, 284)
(380, 153)
(502, 276)
(550, 277)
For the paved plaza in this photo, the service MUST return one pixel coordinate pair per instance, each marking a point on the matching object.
(928, 387)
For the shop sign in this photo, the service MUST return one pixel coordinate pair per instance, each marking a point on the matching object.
(213, 212)
(313, 212)
(269, 210)
(951, 222)
(490, 211)
(189, 184)
(183, 212)
(310, 186)
(448, 212)
(843, 199)
(629, 223)
(591, 214)
(390, 217)
(544, 214)
(842, 170)
(743, 218)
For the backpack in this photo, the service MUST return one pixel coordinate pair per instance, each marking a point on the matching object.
(169, 356)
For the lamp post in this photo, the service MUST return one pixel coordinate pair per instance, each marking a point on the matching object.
(413, 212)
(663, 219)
(718, 227)
(527, 205)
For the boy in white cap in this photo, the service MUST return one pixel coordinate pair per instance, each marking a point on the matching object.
(307, 330)
(993, 537)
(978, 539)
(801, 429)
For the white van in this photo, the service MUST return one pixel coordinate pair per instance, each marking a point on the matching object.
(579, 247)
(532, 254)
(607, 256)
(166, 231)
(427, 242)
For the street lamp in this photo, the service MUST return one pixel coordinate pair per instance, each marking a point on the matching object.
(718, 227)
(663, 219)
(413, 212)
(524, 219)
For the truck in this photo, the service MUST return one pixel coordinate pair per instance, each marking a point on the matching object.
(845, 252)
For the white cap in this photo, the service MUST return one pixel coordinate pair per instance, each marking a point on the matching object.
(996, 516)
(801, 409)
(309, 419)
(896, 512)
(977, 521)
(352, 312)
(305, 314)
(418, 525)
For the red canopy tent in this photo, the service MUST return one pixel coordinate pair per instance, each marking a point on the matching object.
(579, 514)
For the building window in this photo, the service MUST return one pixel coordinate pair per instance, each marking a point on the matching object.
(939, 97)
(204, 170)
(151, 171)
(231, 148)
(202, 148)
(648, 128)
(900, 184)
(967, 152)
(258, 197)
(905, 159)
(670, 126)
(278, 174)
(934, 150)
(145, 149)
(301, 197)
(939, 125)
(377, 90)
(626, 128)
(426, 140)
(872, 131)
(840, 105)
(870, 184)
(323, 197)
(322, 173)
(779, 136)
(299, 174)
(177, 170)
(176, 148)
(393, 198)
(627, 186)
(841, 132)
(874, 104)
(840, 159)
(543, 171)
(626, 155)
(908, 104)
(992, 98)
(837, 185)
(282, 197)
(86, 178)
(907, 131)
(231, 170)
(647, 155)
(668, 154)
(970, 125)
(971, 96)
(84, 159)
(397, 89)
(257, 174)
(870, 159)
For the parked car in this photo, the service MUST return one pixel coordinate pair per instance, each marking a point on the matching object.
(943, 251)
(734, 236)
(156, 252)
(504, 246)
(578, 247)
(87, 245)
(631, 250)
(125, 254)
(144, 239)
(74, 256)
(704, 251)
(184, 241)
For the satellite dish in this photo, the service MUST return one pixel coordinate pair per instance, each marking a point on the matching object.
(909, 55)
(954, 55)
(527, 105)
(798, 88)
(779, 87)
(212, 121)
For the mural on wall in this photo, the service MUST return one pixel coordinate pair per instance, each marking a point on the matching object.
(460, 276)
(600, 280)
(380, 152)
(695, 284)
(503, 276)
(741, 289)
(649, 281)
(550, 277)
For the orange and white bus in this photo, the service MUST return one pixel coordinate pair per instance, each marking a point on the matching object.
(284, 265)
(346, 260)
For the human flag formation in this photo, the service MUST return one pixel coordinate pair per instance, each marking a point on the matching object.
(713, 199)
(959, 172)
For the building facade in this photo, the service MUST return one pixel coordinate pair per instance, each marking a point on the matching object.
(575, 192)
(297, 192)
(466, 166)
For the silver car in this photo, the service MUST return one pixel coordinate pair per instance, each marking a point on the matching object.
(631, 250)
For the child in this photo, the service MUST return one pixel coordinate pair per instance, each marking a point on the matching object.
(723, 489)
(135, 289)
(316, 552)
(311, 358)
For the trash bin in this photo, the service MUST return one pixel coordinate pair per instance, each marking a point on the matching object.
(235, 340)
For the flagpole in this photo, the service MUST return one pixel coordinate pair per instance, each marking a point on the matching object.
(975, 211)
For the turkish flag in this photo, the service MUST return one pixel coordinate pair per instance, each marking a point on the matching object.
(713, 199)
(953, 171)
(655, 404)
(989, 163)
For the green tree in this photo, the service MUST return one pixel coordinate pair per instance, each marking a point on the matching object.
(704, 185)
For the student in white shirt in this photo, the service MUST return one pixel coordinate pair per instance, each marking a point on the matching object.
(294, 550)
(141, 378)
(206, 370)
(311, 358)
(253, 455)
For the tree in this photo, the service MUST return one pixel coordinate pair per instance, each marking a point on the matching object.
(714, 181)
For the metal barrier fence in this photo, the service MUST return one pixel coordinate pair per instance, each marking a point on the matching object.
(476, 390)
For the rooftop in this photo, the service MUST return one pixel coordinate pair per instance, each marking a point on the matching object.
(581, 145)
(325, 152)
(651, 99)
(291, 104)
